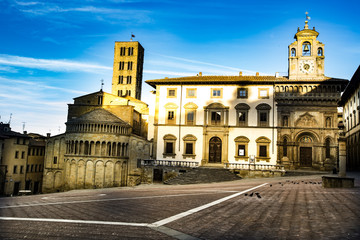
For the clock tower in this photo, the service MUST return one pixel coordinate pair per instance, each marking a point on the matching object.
(306, 55)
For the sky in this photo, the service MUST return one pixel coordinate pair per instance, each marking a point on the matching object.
(55, 50)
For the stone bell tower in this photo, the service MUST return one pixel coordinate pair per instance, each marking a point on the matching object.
(306, 55)
(128, 69)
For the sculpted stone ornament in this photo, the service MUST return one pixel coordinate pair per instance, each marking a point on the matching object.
(306, 120)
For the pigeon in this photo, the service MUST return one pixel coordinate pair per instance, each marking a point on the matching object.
(245, 194)
(270, 185)
(251, 194)
(258, 195)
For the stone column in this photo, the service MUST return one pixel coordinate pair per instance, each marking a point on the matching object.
(342, 157)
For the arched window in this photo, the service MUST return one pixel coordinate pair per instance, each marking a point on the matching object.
(327, 146)
(190, 113)
(320, 51)
(306, 49)
(293, 52)
(170, 117)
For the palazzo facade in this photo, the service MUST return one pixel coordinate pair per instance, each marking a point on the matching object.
(268, 120)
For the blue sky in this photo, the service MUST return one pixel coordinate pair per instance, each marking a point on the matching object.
(52, 51)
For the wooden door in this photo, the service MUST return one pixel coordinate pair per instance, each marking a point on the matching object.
(215, 150)
(305, 157)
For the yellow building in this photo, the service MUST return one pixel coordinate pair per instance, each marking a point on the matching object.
(20, 165)
(106, 134)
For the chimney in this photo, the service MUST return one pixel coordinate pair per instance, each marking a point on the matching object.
(25, 132)
(48, 135)
(240, 73)
(200, 74)
(277, 74)
(257, 73)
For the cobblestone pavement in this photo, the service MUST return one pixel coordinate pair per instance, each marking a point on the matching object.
(277, 208)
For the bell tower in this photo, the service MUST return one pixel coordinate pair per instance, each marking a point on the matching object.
(306, 55)
(128, 69)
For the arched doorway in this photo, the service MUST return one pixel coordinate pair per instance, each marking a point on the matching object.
(215, 150)
(306, 151)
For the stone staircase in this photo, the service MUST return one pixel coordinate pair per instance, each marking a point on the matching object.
(203, 175)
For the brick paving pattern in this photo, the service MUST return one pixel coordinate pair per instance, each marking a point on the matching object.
(285, 208)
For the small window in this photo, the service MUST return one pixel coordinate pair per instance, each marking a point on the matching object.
(121, 65)
(36, 167)
(216, 92)
(190, 117)
(241, 151)
(22, 155)
(189, 148)
(171, 92)
(263, 118)
(191, 93)
(293, 52)
(170, 117)
(122, 51)
(263, 151)
(27, 168)
(169, 145)
(128, 80)
(121, 80)
(15, 169)
(130, 65)
(242, 93)
(216, 117)
(32, 168)
(242, 118)
(17, 154)
(55, 160)
(21, 169)
(131, 51)
(169, 148)
(263, 93)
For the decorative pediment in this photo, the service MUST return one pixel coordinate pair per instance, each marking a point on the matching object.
(263, 106)
(171, 106)
(241, 139)
(242, 106)
(306, 120)
(190, 105)
(215, 105)
(189, 137)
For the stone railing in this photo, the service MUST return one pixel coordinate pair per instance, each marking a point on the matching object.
(251, 166)
(169, 163)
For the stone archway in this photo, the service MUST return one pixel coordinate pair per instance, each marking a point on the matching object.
(215, 150)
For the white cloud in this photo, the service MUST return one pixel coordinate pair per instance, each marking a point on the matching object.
(51, 64)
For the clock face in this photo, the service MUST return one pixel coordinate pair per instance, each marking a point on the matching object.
(306, 66)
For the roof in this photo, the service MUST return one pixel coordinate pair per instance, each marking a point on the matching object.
(98, 115)
(351, 87)
(251, 80)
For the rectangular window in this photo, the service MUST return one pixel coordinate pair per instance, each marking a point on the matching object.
(27, 168)
(262, 151)
(130, 64)
(131, 51)
(128, 79)
(216, 118)
(121, 80)
(40, 167)
(242, 118)
(121, 65)
(191, 93)
(55, 160)
(21, 169)
(36, 167)
(122, 51)
(171, 115)
(169, 148)
(189, 148)
(190, 117)
(17, 154)
(32, 168)
(241, 150)
(263, 93)
(216, 92)
(171, 92)
(15, 169)
(22, 155)
(263, 118)
(242, 93)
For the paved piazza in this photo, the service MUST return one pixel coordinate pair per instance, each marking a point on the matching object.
(277, 208)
